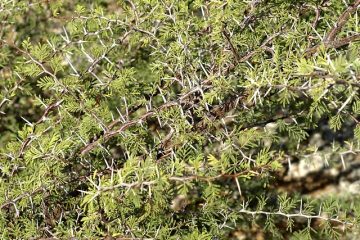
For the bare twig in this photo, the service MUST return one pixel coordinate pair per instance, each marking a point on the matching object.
(233, 49)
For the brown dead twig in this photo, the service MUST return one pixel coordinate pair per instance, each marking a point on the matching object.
(329, 40)
(344, 17)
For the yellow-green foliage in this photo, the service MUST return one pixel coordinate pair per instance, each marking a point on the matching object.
(164, 119)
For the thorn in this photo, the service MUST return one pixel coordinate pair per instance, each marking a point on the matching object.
(29, 123)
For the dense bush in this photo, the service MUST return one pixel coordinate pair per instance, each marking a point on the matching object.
(162, 119)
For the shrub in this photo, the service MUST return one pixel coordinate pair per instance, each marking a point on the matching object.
(161, 119)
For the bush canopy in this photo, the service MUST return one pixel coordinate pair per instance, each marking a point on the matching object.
(194, 119)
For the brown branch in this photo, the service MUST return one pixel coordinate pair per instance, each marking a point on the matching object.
(345, 41)
(7, 95)
(255, 171)
(317, 17)
(106, 136)
(344, 17)
(262, 46)
(250, 54)
(217, 111)
(246, 22)
(41, 119)
(251, 17)
(134, 109)
(233, 49)
(21, 196)
(334, 44)
(330, 39)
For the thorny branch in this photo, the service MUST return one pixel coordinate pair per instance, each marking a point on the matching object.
(216, 111)
(330, 39)
(107, 135)
(47, 111)
(344, 17)
(295, 215)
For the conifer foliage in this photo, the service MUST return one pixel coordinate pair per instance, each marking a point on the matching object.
(164, 119)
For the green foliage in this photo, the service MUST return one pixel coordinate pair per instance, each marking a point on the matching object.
(175, 119)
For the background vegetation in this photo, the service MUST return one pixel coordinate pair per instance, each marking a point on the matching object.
(162, 119)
